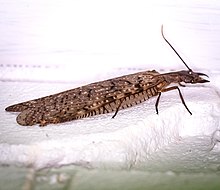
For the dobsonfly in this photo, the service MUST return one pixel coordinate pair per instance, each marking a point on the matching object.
(105, 96)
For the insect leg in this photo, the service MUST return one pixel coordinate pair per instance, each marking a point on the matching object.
(117, 109)
(180, 94)
(157, 102)
(181, 84)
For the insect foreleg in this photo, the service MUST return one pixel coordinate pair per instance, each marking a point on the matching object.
(180, 94)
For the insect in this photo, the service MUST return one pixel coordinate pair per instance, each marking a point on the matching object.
(106, 96)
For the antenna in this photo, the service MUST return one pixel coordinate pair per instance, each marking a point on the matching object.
(174, 49)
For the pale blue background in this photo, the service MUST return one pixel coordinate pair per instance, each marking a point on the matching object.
(89, 40)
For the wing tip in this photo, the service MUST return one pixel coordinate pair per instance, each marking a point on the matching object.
(25, 118)
(16, 108)
(10, 108)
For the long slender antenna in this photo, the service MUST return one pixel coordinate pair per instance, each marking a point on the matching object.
(174, 49)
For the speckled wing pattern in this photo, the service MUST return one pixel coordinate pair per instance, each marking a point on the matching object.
(96, 98)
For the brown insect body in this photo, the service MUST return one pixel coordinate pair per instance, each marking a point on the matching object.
(96, 98)
(103, 97)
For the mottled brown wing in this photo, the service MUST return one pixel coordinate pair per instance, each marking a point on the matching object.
(96, 98)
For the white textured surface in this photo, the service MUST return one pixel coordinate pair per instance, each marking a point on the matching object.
(131, 138)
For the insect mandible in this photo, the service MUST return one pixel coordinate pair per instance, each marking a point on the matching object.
(105, 96)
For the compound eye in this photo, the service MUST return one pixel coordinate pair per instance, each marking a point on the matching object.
(190, 72)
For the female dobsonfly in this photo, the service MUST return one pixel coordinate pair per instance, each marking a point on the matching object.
(105, 96)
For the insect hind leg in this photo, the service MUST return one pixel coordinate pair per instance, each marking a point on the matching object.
(157, 102)
(117, 109)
